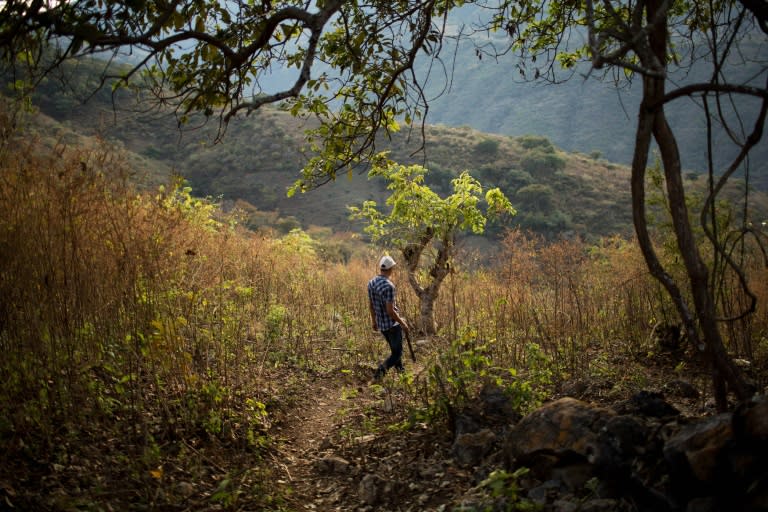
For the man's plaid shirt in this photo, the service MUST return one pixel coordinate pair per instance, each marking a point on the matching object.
(380, 291)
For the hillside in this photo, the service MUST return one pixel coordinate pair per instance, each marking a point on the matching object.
(259, 157)
(581, 113)
(156, 359)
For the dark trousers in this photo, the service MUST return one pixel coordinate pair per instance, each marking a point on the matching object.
(394, 337)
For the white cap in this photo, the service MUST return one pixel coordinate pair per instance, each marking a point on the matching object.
(386, 263)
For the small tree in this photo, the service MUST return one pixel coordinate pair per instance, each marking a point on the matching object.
(423, 226)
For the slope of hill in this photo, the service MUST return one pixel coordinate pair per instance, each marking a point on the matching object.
(259, 157)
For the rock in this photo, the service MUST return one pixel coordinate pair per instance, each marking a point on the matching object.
(492, 407)
(466, 423)
(627, 435)
(757, 495)
(332, 465)
(649, 404)
(496, 404)
(574, 475)
(565, 506)
(600, 505)
(371, 489)
(470, 449)
(560, 440)
(185, 489)
(541, 493)
(693, 453)
(746, 455)
(565, 425)
(572, 442)
(750, 420)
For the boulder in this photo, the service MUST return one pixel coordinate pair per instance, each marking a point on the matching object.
(648, 404)
(694, 452)
(373, 489)
(470, 449)
(571, 441)
(565, 426)
(331, 465)
(721, 459)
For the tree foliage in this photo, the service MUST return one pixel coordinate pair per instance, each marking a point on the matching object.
(649, 40)
(416, 209)
(423, 226)
(351, 61)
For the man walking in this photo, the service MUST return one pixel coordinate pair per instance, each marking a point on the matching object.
(385, 315)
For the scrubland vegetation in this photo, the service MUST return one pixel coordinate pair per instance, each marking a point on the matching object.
(149, 339)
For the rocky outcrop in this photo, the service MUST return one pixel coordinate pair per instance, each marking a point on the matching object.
(722, 460)
(640, 454)
(570, 455)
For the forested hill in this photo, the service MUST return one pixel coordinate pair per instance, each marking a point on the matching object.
(581, 113)
(259, 157)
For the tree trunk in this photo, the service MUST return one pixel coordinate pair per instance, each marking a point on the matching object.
(437, 271)
(426, 323)
(652, 123)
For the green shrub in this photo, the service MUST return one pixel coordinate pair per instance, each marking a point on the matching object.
(459, 374)
(334, 251)
(508, 180)
(536, 142)
(286, 225)
(487, 147)
(540, 162)
(535, 198)
(545, 223)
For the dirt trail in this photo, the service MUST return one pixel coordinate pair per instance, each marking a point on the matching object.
(338, 452)
(312, 425)
(310, 435)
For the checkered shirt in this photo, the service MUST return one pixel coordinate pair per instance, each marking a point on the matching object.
(380, 291)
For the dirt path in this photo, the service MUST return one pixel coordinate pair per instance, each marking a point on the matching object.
(311, 433)
(339, 452)
(312, 425)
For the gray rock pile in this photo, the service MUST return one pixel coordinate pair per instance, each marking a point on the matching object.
(641, 454)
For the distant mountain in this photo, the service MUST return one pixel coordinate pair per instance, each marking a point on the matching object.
(580, 114)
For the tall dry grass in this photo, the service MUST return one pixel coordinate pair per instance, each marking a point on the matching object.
(588, 306)
(151, 308)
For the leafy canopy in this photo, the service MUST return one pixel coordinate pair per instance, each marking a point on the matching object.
(415, 209)
(351, 63)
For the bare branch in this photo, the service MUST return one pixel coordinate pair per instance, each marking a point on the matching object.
(706, 87)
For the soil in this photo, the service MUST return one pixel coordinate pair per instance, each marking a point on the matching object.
(338, 450)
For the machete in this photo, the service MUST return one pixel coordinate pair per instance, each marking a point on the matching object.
(410, 347)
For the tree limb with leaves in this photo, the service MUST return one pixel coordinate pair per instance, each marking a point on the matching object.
(351, 61)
